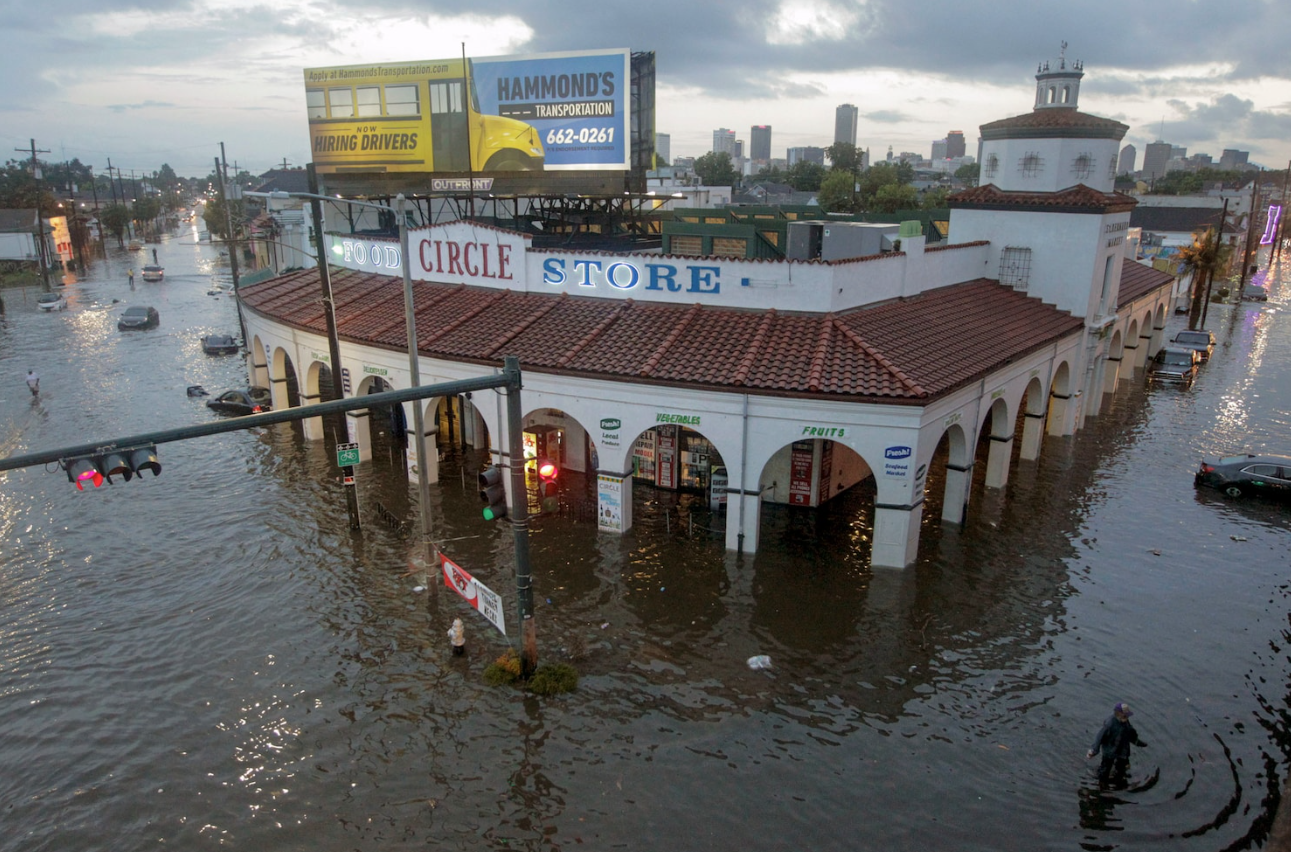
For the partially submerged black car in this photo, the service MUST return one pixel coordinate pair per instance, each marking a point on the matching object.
(253, 400)
(138, 317)
(1242, 476)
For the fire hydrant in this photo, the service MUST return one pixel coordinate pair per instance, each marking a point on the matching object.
(457, 635)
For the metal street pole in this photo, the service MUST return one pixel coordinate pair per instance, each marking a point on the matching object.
(519, 514)
(333, 345)
(228, 213)
(414, 370)
(1210, 279)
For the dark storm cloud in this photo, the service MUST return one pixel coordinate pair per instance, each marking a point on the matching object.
(1225, 119)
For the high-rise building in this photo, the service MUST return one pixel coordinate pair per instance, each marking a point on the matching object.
(845, 123)
(738, 153)
(724, 141)
(760, 142)
(939, 149)
(808, 154)
(955, 146)
(1125, 165)
(1155, 157)
(1233, 159)
(663, 149)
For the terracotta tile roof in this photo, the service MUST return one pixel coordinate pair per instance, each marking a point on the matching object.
(906, 351)
(1137, 280)
(1079, 198)
(1064, 122)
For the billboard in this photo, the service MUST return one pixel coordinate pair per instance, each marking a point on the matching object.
(539, 113)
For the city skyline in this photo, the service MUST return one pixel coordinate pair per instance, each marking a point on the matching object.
(170, 83)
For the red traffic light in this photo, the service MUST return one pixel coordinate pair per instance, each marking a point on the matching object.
(81, 471)
(547, 470)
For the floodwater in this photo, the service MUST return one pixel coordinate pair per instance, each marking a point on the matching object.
(210, 658)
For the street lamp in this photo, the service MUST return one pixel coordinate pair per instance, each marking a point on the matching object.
(399, 211)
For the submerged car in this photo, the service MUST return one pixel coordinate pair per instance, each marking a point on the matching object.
(51, 302)
(153, 273)
(1174, 364)
(252, 400)
(1201, 340)
(1242, 476)
(138, 317)
(219, 344)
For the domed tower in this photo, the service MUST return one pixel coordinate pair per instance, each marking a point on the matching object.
(1046, 200)
(1055, 146)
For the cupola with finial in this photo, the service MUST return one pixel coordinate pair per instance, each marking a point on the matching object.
(1059, 86)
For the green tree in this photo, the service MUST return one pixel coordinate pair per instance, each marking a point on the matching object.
(217, 223)
(114, 218)
(715, 169)
(844, 156)
(934, 198)
(1207, 255)
(768, 174)
(969, 173)
(893, 197)
(837, 192)
(805, 176)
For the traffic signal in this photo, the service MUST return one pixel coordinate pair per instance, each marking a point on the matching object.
(548, 489)
(493, 493)
(126, 463)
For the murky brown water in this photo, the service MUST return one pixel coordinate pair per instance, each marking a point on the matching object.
(211, 659)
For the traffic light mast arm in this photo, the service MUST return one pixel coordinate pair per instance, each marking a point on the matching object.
(268, 418)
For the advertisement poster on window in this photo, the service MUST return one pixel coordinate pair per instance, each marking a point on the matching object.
(643, 456)
(479, 596)
(666, 471)
(826, 471)
(800, 458)
(609, 515)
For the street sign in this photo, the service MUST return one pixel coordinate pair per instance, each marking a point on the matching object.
(475, 593)
(347, 455)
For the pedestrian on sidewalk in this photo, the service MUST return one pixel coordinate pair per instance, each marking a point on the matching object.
(1114, 740)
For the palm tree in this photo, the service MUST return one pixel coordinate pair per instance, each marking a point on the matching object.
(1206, 254)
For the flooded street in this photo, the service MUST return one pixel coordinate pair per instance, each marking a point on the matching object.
(210, 658)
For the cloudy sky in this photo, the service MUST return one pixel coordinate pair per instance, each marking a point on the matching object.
(165, 81)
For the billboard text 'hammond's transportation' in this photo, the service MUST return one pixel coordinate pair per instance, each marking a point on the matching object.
(552, 112)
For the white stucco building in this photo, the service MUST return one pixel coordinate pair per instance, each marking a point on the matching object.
(801, 379)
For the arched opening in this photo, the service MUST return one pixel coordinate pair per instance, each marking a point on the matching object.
(1130, 361)
(1066, 94)
(818, 497)
(1061, 406)
(678, 485)
(1158, 332)
(318, 388)
(381, 431)
(1112, 367)
(1053, 94)
(555, 436)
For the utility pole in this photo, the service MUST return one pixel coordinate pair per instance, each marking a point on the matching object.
(1250, 234)
(1210, 279)
(333, 345)
(1282, 223)
(519, 514)
(228, 214)
(40, 219)
(466, 105)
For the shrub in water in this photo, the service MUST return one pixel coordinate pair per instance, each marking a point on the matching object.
(554, 678)
(505, 669)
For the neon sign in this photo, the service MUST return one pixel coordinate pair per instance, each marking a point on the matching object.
(1271, 224)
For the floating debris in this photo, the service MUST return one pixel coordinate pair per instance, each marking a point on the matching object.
(760, 661)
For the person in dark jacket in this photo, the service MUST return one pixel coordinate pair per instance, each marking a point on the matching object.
(1114, 740)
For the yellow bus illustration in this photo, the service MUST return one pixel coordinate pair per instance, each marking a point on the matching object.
(411, 117)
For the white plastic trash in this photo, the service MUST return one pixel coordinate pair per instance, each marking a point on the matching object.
(761, 661)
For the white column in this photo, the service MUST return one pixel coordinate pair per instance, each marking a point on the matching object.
(997, 461)
(1032, 436)
(1111, 372)
(357, 424)
(312, 426)
(958, 481)
(896, 535)
(752, 525)
(1062, 415)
